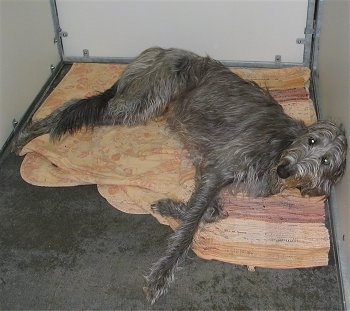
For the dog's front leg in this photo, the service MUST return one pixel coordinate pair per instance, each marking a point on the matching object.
(162, 272)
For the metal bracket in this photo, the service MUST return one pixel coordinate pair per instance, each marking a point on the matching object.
(307, 31)
(14, 123)
(278, 59)
(86, 53)
(61, 34)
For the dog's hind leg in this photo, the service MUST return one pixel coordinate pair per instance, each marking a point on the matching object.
(162, 272)
(148, 84)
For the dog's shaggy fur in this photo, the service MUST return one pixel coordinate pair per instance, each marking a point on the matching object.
(235, 131)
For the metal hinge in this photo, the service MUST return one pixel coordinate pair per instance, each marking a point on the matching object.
(311, 30)
(61, 34)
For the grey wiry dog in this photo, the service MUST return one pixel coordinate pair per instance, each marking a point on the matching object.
(236, 132)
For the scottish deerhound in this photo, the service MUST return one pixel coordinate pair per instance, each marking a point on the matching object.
(236, 132)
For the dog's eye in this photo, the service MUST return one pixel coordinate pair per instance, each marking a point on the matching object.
(325, 161)
(312, 141)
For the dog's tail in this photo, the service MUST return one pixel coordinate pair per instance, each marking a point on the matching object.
(69, 118)
(87, 112)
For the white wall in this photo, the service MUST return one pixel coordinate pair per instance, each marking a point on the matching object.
(334, 78)
(239, 30)
(27, 50)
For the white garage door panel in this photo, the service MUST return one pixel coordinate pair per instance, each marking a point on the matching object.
(27, 51)
(227, 30)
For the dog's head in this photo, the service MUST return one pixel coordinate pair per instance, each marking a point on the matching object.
(316, 160)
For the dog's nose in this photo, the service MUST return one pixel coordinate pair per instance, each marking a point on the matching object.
(283, 172)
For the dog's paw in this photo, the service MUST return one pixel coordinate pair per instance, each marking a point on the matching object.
(169, 208)
(154, 289)
(214, 213)
(161, 206)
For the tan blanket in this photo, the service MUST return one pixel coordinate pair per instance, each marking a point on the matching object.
(134, 167)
